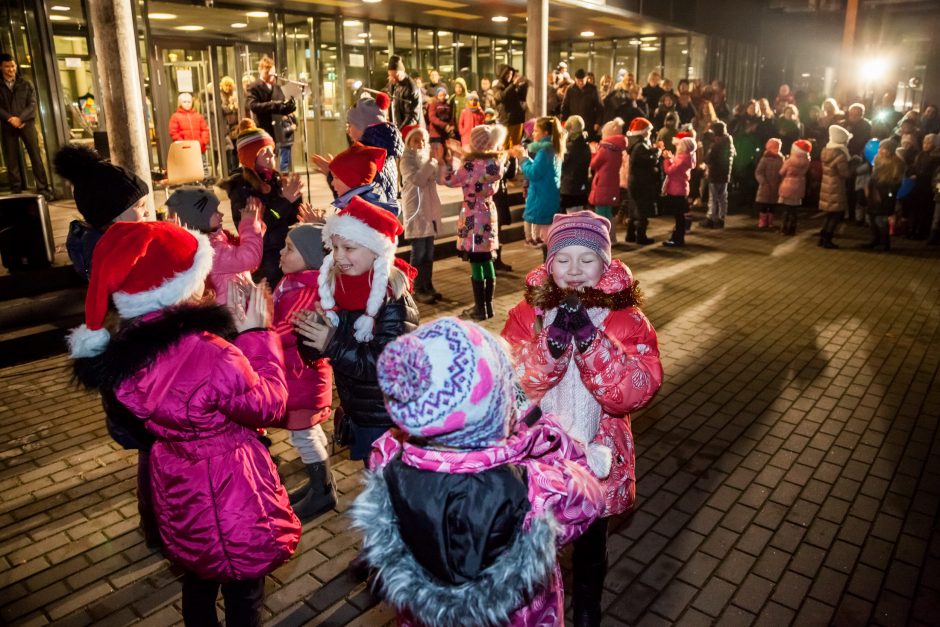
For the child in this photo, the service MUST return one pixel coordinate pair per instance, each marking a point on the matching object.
(471, 117)
(643, 178)
(670, 127)
(489, 116)
(718, 161)
(235, 256)
(833, 198)
(464, 470)
(793, 183)
(365, 300)
(199, 380)
(309, 388)
(543, 172)
(575, 168)
(285, 144)
(459, 100)
(676, 186)
(280, 196)
(768, 175)
(883, 187)
(367, 122)
(605, 164)
(587, 354)
(353, 173)
(479, 173)
(421, 210)
(440, 121)
(501, 200)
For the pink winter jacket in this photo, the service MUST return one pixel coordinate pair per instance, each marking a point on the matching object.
(606, 163)
(235, 257)
(309, 388)
(221, 509)
(564, 500)
(793, 183)
(618, 373)
(678, 171)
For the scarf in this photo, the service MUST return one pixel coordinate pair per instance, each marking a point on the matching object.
(352, 292)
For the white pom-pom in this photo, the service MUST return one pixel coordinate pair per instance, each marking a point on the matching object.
(599, 458)
(83, 342)
(364, 327)
(332, 317)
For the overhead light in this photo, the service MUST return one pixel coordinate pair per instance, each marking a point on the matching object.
(684, 52)
(257, 14)
(161, 16)
(57, 18)
(443, 33)
(59, 7)
(362, 35)
(805, 74)
(634, 42)
(371, 1)
(192, 28)
(239, 25)
(649, 38)
(649, 48)
(587, 33)
(499, 18)
(352, 23)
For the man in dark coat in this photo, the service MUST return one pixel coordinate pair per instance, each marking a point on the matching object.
(510, 93)
(18, 122)
(266, 101)
(582, 99)
(405, 96)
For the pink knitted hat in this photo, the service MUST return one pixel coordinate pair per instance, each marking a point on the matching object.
(581, 228)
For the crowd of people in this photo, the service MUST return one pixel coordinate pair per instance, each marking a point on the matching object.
(483, 456)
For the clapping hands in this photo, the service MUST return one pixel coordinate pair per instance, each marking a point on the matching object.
(251, 305)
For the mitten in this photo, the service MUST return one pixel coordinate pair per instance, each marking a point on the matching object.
(579, 322)
(558, 334)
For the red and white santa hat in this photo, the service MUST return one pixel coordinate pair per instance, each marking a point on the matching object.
(376, 229)
(803, 145)
(639, 126)
(143, 267)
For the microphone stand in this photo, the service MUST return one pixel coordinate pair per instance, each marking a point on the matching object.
(303, 115)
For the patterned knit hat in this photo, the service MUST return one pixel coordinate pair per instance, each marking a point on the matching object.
(250, 141)
(358, 164)
(143, 267)
(486, 137)
(449, 381)
(376, 229)
(581, 228)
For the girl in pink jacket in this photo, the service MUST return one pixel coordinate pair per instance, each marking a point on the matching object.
(587, 354)
(605, 164)
(465, 469)
(678, 169)
(793, 183)
(235, 256)
(200, 380)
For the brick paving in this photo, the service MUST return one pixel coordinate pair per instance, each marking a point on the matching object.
(789, 469)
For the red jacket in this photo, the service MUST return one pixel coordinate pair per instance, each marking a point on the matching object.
(606, 162)
(468, 119)
(189, 125)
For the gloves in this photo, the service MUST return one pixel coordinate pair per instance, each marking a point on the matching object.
(289, 106)
(558, 334)
(579, 322)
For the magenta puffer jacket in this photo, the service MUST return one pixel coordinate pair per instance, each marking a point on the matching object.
(793, 183)
(606, 162)
(678, 171)
(235, 257)
(523, 585)
(221, 509)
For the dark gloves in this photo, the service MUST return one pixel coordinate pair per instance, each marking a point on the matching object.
(579, 323)
(558, 334)
(290, 105)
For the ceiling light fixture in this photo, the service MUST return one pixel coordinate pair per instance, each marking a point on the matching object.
(499, 18)
(58, 18)
(161, 16)
(352, 23)
(239, 25)
(649, 38)
(257, 14)
(587, 33)
(59, 7)
(191, 28)
(371, 1)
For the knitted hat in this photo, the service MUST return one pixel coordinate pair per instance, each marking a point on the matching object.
(449, 381)
(395, 64)
(574, 125)
(485, 137)
(473, 96)
(250, 141)
(838, 135)
(383, 101)
(614, 127)
(440, 89)
(194, 206)
(489, 111)
(773, 145)
(687, 142)
(581, 228)
(377, 230)
(358, 164)
(803, 145)
(308, 240)
(639, 126)
(102, 191)
(365, 113)
(143, 267)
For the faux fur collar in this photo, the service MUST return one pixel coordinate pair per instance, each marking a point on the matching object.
(137, 344)
(616, 289)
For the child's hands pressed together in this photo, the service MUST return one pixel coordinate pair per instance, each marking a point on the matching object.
(251, 304)
(312, 326)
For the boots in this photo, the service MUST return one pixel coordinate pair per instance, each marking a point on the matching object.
(489, 286)
(589, 562)
(641, 237)
(477, 312)
(423, 292)
(762, 220)
(321, 494)
(770, 219)
(499, 264)
(632, 228)
(825, 241)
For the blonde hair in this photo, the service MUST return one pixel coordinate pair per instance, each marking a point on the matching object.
(227, 81)
(265, 61)
(550, 125)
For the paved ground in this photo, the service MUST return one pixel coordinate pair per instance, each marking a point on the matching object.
(789, 468)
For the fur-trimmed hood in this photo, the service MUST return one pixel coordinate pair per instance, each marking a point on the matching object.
(616, 289)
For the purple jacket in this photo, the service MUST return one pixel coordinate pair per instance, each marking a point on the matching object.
(220, 506)
(678, 171)
(559, 496)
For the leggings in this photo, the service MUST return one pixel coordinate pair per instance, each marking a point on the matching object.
(310, 444)
(243, 601)
(480, 270)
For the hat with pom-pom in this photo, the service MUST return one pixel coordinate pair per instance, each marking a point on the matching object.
(449, 381)
(250, 141)
(102, 191)
(377, 230)
(639, 126)
(358, 164)
(143, 267)
(365, 113)
(382, 99)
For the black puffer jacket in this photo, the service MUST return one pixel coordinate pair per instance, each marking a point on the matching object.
(354, 362)
(575, 169)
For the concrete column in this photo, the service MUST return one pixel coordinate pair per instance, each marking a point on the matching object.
(536, 53)
(115, 39)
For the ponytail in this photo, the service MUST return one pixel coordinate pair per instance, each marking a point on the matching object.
(552, 125)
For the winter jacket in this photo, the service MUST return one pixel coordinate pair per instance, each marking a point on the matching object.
(235, 256)
(459, 102)
(266, 103)
(442, 561)
(385, 135)
(510, 102)
(420, 203)
(543, 172)
(652, 94)
(309, 387)
(575, 168)
(861, 135)
(644, 180)
(189, 125)
(20, 102)
(469, 118)
(220, 507)
(678, 171)
(440, 116)
(586, 102)
(591, 393)
(768, 177)
(718, 159)
(405, 104)
(616, 102)
(80, 245)
(832, 194)
(477, 223)
(605, 164)
(354, 362)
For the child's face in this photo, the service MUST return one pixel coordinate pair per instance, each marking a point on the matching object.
(537, 133)
(577, 267)
(291, 259)
(215, 221)
(339, 187)
(138, 212)
(264, 162)
(418, 142)
(350, 258)
(442, 96)
(354, 132)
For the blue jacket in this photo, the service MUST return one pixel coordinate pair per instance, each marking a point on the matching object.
(385, 135)
(544, 175)
(370, 193)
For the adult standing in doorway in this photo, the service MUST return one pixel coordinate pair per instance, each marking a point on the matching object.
(18, 122)
(405, 95)
(510, 92)
(265, 99)
(230, 114)
(582, 99)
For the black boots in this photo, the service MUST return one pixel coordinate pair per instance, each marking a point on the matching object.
(789, 221)
(424, 290)
(499, 264)
(641, 237)
(477, 312)
(589, 569)
(632, 228)
(489, 286)
(825, 241)
(318, 496)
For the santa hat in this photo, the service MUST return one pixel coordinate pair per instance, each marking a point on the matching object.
(250, 141)
(682, 135)
(143, 267)
(486, 137)
(639, 126)
(803, 145)
(377, 230)
(358, 164)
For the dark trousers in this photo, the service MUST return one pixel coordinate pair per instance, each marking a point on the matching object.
(243, 602)
(11, 155)
(833, 218)
(589, 566)
(677, 206)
